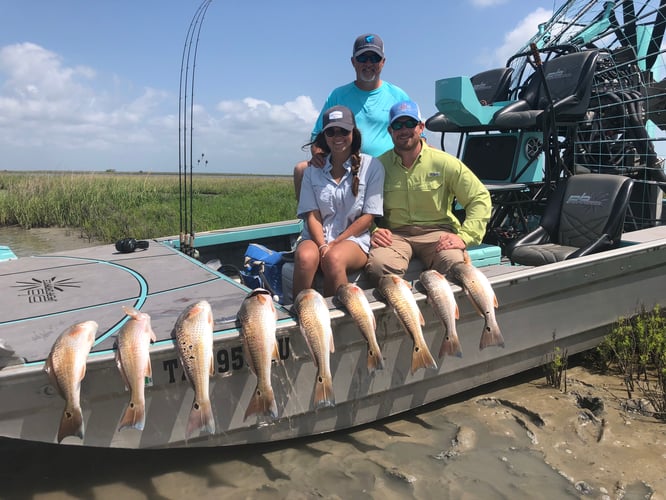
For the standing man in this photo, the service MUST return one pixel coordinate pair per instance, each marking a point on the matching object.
(368, 97)
(420, 185)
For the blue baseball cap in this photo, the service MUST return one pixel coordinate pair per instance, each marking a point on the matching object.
(405, 108)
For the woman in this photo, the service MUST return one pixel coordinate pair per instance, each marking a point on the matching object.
(338, 204)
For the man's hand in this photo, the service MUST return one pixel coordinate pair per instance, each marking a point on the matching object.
(381, 238)
(450, 241)
(318, 157)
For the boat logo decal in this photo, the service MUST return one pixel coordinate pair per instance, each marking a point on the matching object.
(586, 199)
(38, 291)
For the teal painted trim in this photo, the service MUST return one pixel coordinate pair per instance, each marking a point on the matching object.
(251, 233)
(6, 253)
(140, 300)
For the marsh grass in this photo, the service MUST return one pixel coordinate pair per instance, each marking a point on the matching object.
(107, 206)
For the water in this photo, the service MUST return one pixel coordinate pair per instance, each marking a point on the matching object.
(514, 439)
(26, 242)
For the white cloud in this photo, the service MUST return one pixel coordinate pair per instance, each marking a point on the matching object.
(516, 38)
(57, 116)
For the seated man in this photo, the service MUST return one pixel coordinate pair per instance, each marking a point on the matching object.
(420, 185)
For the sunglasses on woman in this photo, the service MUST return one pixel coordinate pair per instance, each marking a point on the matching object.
(411, 123)
(372, 57)
(336, 131)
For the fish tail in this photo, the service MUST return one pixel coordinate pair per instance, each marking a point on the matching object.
(134, 417)
(491, 336)
(71, 423)
(201, 418)
(262, 403)
(375, 359)
(323, 396)
(451, 346)
(421, 358)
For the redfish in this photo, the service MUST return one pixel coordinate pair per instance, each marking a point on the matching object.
(133, 360)
(194, 342)
(443, 302)
(66, 367)
(353, 298)
(480, 293)
(398, 294)
(314, 321)
(258, 321)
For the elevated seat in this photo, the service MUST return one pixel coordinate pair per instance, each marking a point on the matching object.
(569, 82)
(467, 104)
(584, 215)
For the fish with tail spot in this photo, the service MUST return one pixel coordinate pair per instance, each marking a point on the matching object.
(482, 296)
(314, 321)
(353, 298)
(443, 301)
(193, 332)
(133, 361)
(66, 367)
(258, 322)
(398, 294)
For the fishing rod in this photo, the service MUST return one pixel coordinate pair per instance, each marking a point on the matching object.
(186, 245)
(194, 65)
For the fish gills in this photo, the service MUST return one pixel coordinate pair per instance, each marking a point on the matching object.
(258, 322)
(133, 361)
(353, 298)
(194, 343)
(66, 367)
(398, 294)
(315, 324)
(480, 293)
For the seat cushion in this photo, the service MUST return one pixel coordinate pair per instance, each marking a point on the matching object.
(538, 255)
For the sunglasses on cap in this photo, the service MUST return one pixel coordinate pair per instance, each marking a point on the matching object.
(368, 56)
(411, 123)
(336, 131)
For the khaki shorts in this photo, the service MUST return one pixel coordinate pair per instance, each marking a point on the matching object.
(408, 242)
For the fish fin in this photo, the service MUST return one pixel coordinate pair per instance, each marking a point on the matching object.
(153, 337)
(457, 315)
(495, 301)
(466, 258)
(421, 318)
(71, 424)
(323, 396)
(211, 372)
(201, 418)
(331, 344)
(491, 336)
(421, 358)
(123, 375)
(262, 403)
(149, 370)
(451, 346)
(275, 354)
(134, 417)
(130, 311)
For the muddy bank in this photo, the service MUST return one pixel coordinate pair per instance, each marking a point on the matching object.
(514, 439)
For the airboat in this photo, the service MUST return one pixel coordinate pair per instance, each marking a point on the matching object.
(566, 136)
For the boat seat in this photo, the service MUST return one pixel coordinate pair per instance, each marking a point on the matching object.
(584, 215)
(459, 109)
(569, 78)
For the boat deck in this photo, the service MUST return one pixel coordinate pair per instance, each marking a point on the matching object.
(44, 295)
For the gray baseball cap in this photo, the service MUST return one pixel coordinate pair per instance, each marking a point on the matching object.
(369, 43)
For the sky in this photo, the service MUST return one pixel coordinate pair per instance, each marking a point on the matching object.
(95, 85)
